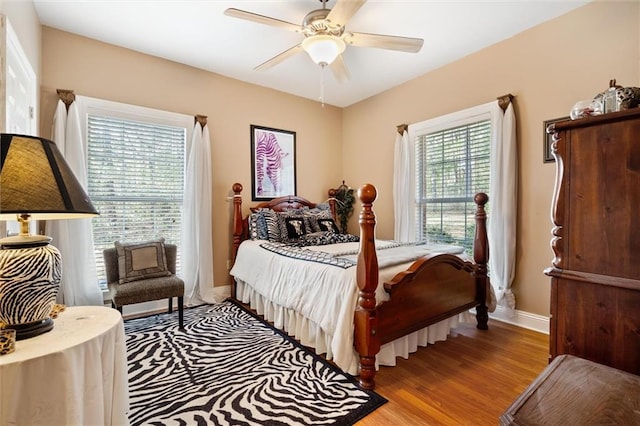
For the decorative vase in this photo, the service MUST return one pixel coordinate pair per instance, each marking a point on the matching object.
(29, 283)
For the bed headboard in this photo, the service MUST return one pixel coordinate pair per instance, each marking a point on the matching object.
(289, 202)
(279, 204)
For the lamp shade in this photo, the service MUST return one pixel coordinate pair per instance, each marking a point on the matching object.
(36, 180)
(323, 49)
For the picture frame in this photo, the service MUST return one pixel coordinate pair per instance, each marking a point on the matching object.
(273, 163)
(547, 157)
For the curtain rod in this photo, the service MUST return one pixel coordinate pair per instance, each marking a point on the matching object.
(66, 96)
(504, 101)
(202, 119)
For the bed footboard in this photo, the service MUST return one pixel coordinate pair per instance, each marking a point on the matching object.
(434, 288)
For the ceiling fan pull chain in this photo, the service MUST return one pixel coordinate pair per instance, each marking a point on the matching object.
(322, 68)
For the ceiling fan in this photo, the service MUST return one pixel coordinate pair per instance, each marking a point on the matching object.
(325, 36)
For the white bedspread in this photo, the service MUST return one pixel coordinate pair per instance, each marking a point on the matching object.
(315, 302)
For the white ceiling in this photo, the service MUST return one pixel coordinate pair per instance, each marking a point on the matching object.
(197, 33)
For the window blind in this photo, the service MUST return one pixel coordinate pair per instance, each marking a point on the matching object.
(452, 165)
(135, 181)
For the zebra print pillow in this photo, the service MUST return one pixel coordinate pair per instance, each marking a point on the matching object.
(326, 237)
(271, 224)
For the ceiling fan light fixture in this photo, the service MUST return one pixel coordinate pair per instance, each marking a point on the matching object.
(323, 49)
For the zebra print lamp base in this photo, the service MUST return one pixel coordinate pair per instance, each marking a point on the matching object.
(29, 282)
(32, 329)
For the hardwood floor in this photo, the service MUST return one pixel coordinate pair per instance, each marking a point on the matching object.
(469, 379)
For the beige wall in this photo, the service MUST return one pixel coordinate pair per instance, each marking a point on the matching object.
(95, 69)
(547, 68)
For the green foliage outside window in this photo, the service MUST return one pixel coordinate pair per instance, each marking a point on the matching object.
(452, 165)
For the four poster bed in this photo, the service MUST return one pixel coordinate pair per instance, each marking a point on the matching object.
(328, 297)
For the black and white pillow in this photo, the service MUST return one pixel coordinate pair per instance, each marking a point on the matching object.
(265, 225)
(273, 225)
(327, 225)
(324, 238)
(313, 216)
(292, 225)
(258, 227)
(295, 227)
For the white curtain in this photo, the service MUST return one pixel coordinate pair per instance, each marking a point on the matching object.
(503, 204)
(403, 189)
(74, 237)
(503, 197)
(197, 245)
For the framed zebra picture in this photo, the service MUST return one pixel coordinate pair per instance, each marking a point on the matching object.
(273, 163)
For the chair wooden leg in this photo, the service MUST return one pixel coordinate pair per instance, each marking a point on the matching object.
(170, 304)
(180, 313)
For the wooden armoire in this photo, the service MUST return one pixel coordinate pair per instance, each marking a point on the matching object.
(595, 277)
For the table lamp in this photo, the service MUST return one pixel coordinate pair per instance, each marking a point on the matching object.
(35, 183)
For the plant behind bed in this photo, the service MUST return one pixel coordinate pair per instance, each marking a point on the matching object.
(345, 199)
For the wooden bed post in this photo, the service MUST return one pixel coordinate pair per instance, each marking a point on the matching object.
(367, 341)
(481, 257)
(332, 204)
(237, 229)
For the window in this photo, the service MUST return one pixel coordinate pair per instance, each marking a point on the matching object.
(452, 165)
(136, 172)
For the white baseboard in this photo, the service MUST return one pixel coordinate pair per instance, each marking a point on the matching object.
(159, 306)
(148, 308)
(522, 319)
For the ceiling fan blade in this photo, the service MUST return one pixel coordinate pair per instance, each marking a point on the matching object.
(339, 70)
(261, 19)
(279, 58)
(344, 10)
(405, 44)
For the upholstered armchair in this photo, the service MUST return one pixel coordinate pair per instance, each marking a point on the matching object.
(143, 272)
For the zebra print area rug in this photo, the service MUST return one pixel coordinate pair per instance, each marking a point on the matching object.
(229, 367)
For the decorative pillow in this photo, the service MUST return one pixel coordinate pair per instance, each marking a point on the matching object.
(273, 225)
(313, 215)
(328, 225)
(323, 238)
(258, 227)
(323, 206)
(138, 261)
(295, 227)
(292, 225)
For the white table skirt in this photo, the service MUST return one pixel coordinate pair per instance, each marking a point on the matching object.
(76, 374)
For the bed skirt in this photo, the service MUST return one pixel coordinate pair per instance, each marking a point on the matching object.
(311, 335)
